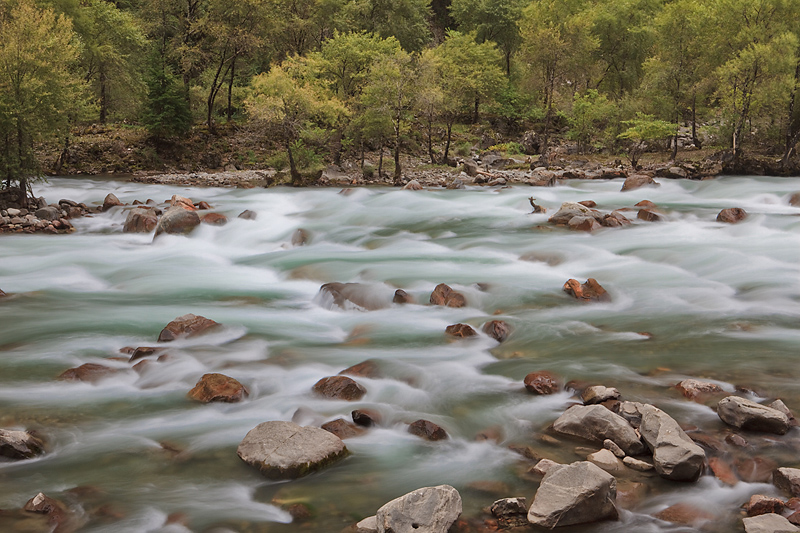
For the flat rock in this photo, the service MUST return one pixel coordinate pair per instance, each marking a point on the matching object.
(768, 523)
(648, 216)
(722, 471)
(89, 372)
(425, 510)
(598, 394)
(780, 406)
(788, 480)
(752, 416)
(596, 423)
(18, 445)
(364, 369)
(568, 211)
(186, 326)
(693, 388)
(606, 460)
(182, 202)
(340, 388)
(685, 514)
(675, 455)
(591, 290)
(460, 330)
(542, 382)
(218, 388)
(366, 417)
(443, 295)
(284, 450)
(427, 430)
(584, 223)
(578, 493)
(214, 219)
(637, 464)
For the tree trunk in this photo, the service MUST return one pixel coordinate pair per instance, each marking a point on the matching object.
(476, 117)
(293, 172)
(695, 139)
(430, 139)
(398, 172)
(446, 160)
(103, 96)
(230, 87)
(380, 162)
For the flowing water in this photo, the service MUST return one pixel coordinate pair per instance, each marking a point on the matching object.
(719, 302)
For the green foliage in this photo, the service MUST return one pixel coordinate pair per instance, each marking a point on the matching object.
(510, 148)
(642, 130)
(167, 112)
(405, 20)
(491, 20)
(591, 114)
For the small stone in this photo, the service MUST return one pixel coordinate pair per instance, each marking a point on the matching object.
(542, 382)
(365, 369)
(340, 388)
(611, 446)
(366, 417)
(607, 461)
(444, 295)
(186, 326)
(247, 215)
(794, 199)
(510, 512)
(637, 464)
(218, 388)
(692, 388)
(760, 504)
(648, 216)
(684, 514)
(402, 297)
(732, 215)
(413, 185)
(214, 219)
(300, 237)
(496, 329)
(368, 525)
(342, 428)
(182, 202)
(427, 430)
(723, 471)
(110, 201)
(460, 330)
(780, 406)
(788, 480)
(90, 372)
(544, 466)
(177, 221)
(19, 445)
(636, 181)
(599, 394)
(591, 290)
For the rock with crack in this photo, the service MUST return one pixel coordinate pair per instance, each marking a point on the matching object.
(675, 455)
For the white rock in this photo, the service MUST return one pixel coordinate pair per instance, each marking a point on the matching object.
(425, 510)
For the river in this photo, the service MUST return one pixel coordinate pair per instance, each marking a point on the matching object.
(718, 302)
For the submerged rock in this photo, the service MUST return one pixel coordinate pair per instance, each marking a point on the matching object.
(364, 369)
(186, 326)
(591, 290)
(214, 219)
(218, 388)
(599, 394)
(510, 512)
(460, 330)
(578, 493)
(637, 181)
(425, 510)
(18, 445)
(685, 514)
(752, 416)
(284, 450)
(90, 372)
(354, 296)
(342, 428)
(692, 388)
(110, 201)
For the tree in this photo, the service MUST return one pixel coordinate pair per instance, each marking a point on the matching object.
(591, 113)
(38, 91)
(491, 20)
(405, 20)
(166, 111)
(642, 130)
(291, 105)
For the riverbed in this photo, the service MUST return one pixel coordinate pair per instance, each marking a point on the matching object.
(690, 297)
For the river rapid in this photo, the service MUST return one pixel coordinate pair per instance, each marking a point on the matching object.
(718, 302)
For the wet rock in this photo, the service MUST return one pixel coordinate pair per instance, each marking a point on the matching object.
(460, 330)
(794, 199)
(300, 237)
(144, 351)
(685, 514)
(425, 510)
(402, 297)
(214, 219)
(202, 206)
(19, 445)
(339, 388)
(794, 518)
(110, 201)
(188, 325)
(359, 296)
(543, 466)
(596, 423)
(646, 204)
(672, 173)
(366, 417)
(493, 433)
(675, 455)
(182, 202)
(637, 181)
(648, 216)
(736, 440)
(90, 372)
(342, 428)
(732, 215)
(48, 213)
(768, 523)
(140, 220)
(57, 513)
(584, 223)
(218, 388)
(693, 388)
(413, 185)
(368, 525)
(760, 504)
(599, 394)
(568, 211)
(284, 450)
(752, 416)
(588, 203)
(365, 369)
(542, 382)
(427, 430)
(778, 405)
(247, 215)
(177, 221)
(579, 493)
(637, 464)
(615, 219)
(497, 329)
(510, 512)
(607, 461)
(591, 290)
(444, 295)
(755, 469)
(788, 480)
(456, 184)
(612, 446)
(723, 471)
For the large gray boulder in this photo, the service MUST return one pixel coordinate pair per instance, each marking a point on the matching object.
(675, 455)
(177, 220)
(788, 480)
(752, 416)
(578, 493)
(769, 523)
(596, 423)
(568, 211)
(284, 450)
(425, 510)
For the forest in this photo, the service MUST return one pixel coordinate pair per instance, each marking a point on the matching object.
(323, 80)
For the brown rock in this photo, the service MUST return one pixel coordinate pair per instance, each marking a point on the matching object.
(732, 215)
(366, 417)
(510, 512)
(494, 434)
(460, 330)
(542, 382)
(694, 388)
(202, 205)
(177, 221)
(144, 351)
(736, 440)
(723, 471)
(218, 388)
(636, 181)
(214, 219)
(248, 215)
(646, 204)
(365, 369)
(186, 326)
(340, 388)
(648, 216)
(685, 514)
(760, 504)
(755, 469)
(111, 201)
(57, 513)
(780, 406)
(497, 329)
(182, 202)
(90, 372)
(615, 219)
(342, 428)
(19, 445)
(588, 203)
(591, 290)
(444, 295)
(584, 224)
(794, 199)
(300, 237)
(427, 430)
(794, 518)
(140, 220)
(402, 297)
(788, 480)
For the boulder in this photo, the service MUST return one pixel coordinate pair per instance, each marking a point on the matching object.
(359, 296)
(186, 326)
(693, 388)
(675, 455)
(218, 388)
(615, 219)
(636, 181)
(339, 388)
(90, 372)
(596, 423)
(568, 211)
(760, 504)
(284, 450)
(510, 512)
(598, 394)
(402, 297)
(460, 330)
(752, 416)
(177, 221)
(788, 480)
(542, 382)
(182, 202)
(444, 295)
(732, 215)
(578, 493)
(48, 213)
(648, 216)
(591, 290)
(427, 430)
(768, 523)
(342, 428)
(365, 369)
(140, 220)
(247, 215)
(496, 329)
(584, 223)
(19, 445)
(425, 510)
(214, 219)
(413, 185)
(110, 201)
(58, 515)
